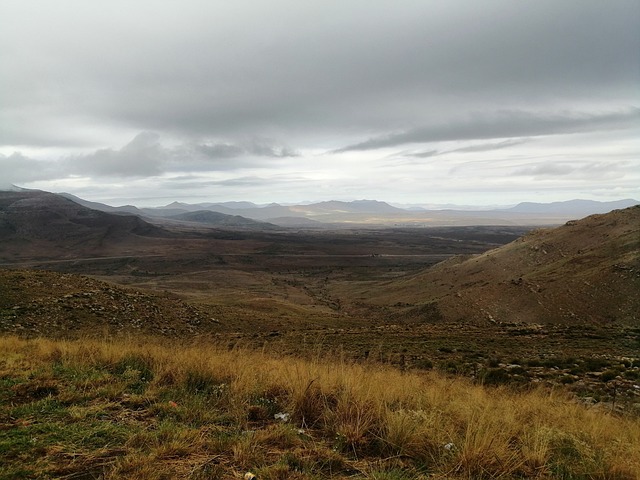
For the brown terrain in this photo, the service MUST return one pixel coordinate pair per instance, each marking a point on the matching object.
(584, 272)
(503, 303)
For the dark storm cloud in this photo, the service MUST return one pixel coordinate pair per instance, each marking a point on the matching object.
(504, 124)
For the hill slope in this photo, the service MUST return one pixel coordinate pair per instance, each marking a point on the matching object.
(35, 303)
(584, 271)
(208, 217)
(35, 222)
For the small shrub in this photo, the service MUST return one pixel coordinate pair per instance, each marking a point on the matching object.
(137, 372)
(357, 427)
(493, 362)
(308, 405)
(495, 376)
(202, 382)
(270, 405)
(609, 375)
(595, 364)
(424, 363)
(139, 363)
(518, 370)
(451, 367)
(559, 362)
(295, 462)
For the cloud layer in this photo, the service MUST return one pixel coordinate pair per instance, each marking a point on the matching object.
(334, 97)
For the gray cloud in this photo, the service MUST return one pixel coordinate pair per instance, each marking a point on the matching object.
(483, 147)
(546, 169)
(426, 154)
(285, 67)
(256, 147)
(487, 147)
(231, 86)
(247, 181)
(220, 150)
(143, 156)
(241, 182)
(17, 169)
(502, 125)
(198, 183)
(577, 170)
(224, 156)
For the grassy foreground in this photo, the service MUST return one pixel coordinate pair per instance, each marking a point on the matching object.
(137, 409)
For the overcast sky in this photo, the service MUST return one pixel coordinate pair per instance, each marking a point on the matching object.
(416, 102)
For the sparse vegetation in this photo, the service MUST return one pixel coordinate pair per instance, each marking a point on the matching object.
(209, 353)
(140, 409)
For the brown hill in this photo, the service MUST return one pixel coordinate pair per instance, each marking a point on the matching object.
(43, 303)
(584, 271)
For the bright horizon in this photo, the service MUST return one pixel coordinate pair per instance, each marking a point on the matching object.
(413, 103)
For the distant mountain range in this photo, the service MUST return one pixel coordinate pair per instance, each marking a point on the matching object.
(579, 208)
(373, 213)
(360, 212)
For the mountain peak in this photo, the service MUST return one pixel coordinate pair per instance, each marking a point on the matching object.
(10, 187)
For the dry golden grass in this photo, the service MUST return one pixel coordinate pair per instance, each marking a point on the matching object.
(203, 403)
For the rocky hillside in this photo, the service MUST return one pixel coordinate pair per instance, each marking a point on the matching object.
(42, 303)
(39, 224)
(586, 271)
